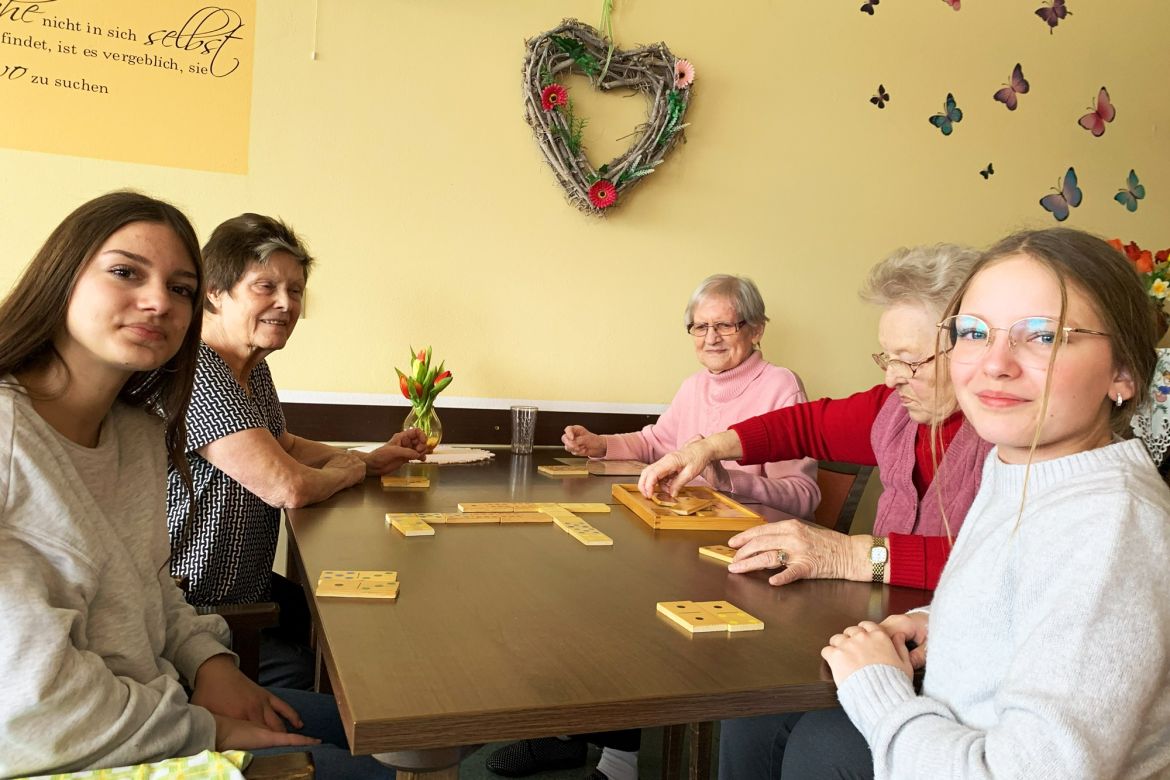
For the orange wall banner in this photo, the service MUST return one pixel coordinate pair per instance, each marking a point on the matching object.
(147, 82)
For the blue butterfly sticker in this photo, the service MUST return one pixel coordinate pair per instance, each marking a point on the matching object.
(950, 115)
(1133, 192)
(1069, 196)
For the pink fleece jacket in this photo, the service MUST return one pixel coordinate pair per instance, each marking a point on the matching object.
(709, 403)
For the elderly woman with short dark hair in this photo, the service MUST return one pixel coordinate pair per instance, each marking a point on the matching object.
(245, 464)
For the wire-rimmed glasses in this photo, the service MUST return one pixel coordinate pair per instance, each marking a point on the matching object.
(966, 338)
(885, 363)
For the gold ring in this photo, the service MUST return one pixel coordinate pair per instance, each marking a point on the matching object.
(781, 557)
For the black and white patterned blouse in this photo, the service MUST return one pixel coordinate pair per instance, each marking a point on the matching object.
(227, 553)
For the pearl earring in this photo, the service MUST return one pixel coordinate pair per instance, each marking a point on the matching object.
(1119, 401)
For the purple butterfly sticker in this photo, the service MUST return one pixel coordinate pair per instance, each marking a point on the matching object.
(1018, 86)
(1052, 14)
(1069, 196)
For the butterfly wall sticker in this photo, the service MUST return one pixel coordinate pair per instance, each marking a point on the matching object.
(987, 172)
(1096, 119)
(881, 97)
(953, 3)
(1053, 13)
(950, 115)
(1017, 86)
(1067, 197)
(1133, 192)
(867, 6)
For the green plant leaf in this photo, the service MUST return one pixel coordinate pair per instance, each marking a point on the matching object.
(576, 50)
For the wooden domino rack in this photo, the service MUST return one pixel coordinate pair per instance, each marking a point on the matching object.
(724, 515)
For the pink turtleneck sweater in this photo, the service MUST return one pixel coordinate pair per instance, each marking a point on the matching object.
(709, 403)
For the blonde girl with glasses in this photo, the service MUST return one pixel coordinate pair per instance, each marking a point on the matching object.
(1049, 633)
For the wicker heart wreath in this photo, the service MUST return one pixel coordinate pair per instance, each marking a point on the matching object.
(652, 70)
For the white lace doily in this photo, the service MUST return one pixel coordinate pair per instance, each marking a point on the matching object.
(459, 455)
(444, 454)
(1151, 422)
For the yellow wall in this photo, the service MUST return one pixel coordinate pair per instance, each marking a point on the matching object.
(403, 157)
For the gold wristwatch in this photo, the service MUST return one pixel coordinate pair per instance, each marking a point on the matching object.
(879, 555)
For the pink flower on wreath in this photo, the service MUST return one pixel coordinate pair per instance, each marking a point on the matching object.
(684, 74)
(553, 96)
(602, 194)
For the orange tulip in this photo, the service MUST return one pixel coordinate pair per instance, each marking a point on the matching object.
(1144, 262)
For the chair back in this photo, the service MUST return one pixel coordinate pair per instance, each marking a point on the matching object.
(841, 487)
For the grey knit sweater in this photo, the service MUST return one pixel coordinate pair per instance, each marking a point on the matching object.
(1049, 642)
(95, 634)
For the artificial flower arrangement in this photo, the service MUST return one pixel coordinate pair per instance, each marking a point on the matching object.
(421, 386)
(1154, 268)
(652, 70)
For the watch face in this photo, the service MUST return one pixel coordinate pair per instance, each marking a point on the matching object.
(879, 555)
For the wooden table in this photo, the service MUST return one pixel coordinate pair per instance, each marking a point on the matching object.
(503, 632)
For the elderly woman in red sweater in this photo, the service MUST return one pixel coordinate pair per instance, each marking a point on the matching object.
(889, 426)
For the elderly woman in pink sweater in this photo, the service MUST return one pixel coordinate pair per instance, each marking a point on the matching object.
(725, 318)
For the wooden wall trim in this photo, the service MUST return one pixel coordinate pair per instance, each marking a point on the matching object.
(345, 422)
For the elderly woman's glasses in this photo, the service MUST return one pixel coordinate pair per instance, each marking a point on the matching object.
(885, 363)
(722, 328)
(967, 338)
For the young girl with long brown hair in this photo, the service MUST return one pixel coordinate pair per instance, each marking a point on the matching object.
(97, 339)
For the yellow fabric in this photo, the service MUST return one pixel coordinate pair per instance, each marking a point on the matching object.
(207, 765)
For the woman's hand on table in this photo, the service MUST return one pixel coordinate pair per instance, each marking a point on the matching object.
(236, 734)
(411, 439)
(914, 626)
(863, 645)
(801, 551)
(223, 689)
(402, 448)
(582, 442)
(675, 469)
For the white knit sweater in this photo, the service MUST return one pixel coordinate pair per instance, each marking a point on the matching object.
(1049, 643)
(95, 633)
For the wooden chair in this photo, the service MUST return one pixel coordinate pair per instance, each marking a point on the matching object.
(842, 485)
(284, 766)
(245, 621)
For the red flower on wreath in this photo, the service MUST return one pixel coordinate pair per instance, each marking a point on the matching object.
(602, 194)
(553, 96)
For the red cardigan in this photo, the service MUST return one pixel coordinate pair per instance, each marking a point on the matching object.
(839, 429)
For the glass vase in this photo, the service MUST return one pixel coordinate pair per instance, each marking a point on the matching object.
(427, 422)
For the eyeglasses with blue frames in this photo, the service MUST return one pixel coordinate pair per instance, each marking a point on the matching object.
(966, 338)
(885, 363)
(699, 331)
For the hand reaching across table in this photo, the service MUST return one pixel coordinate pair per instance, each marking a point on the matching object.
(580, 441)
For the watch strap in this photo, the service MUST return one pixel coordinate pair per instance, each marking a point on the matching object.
(879, 560)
